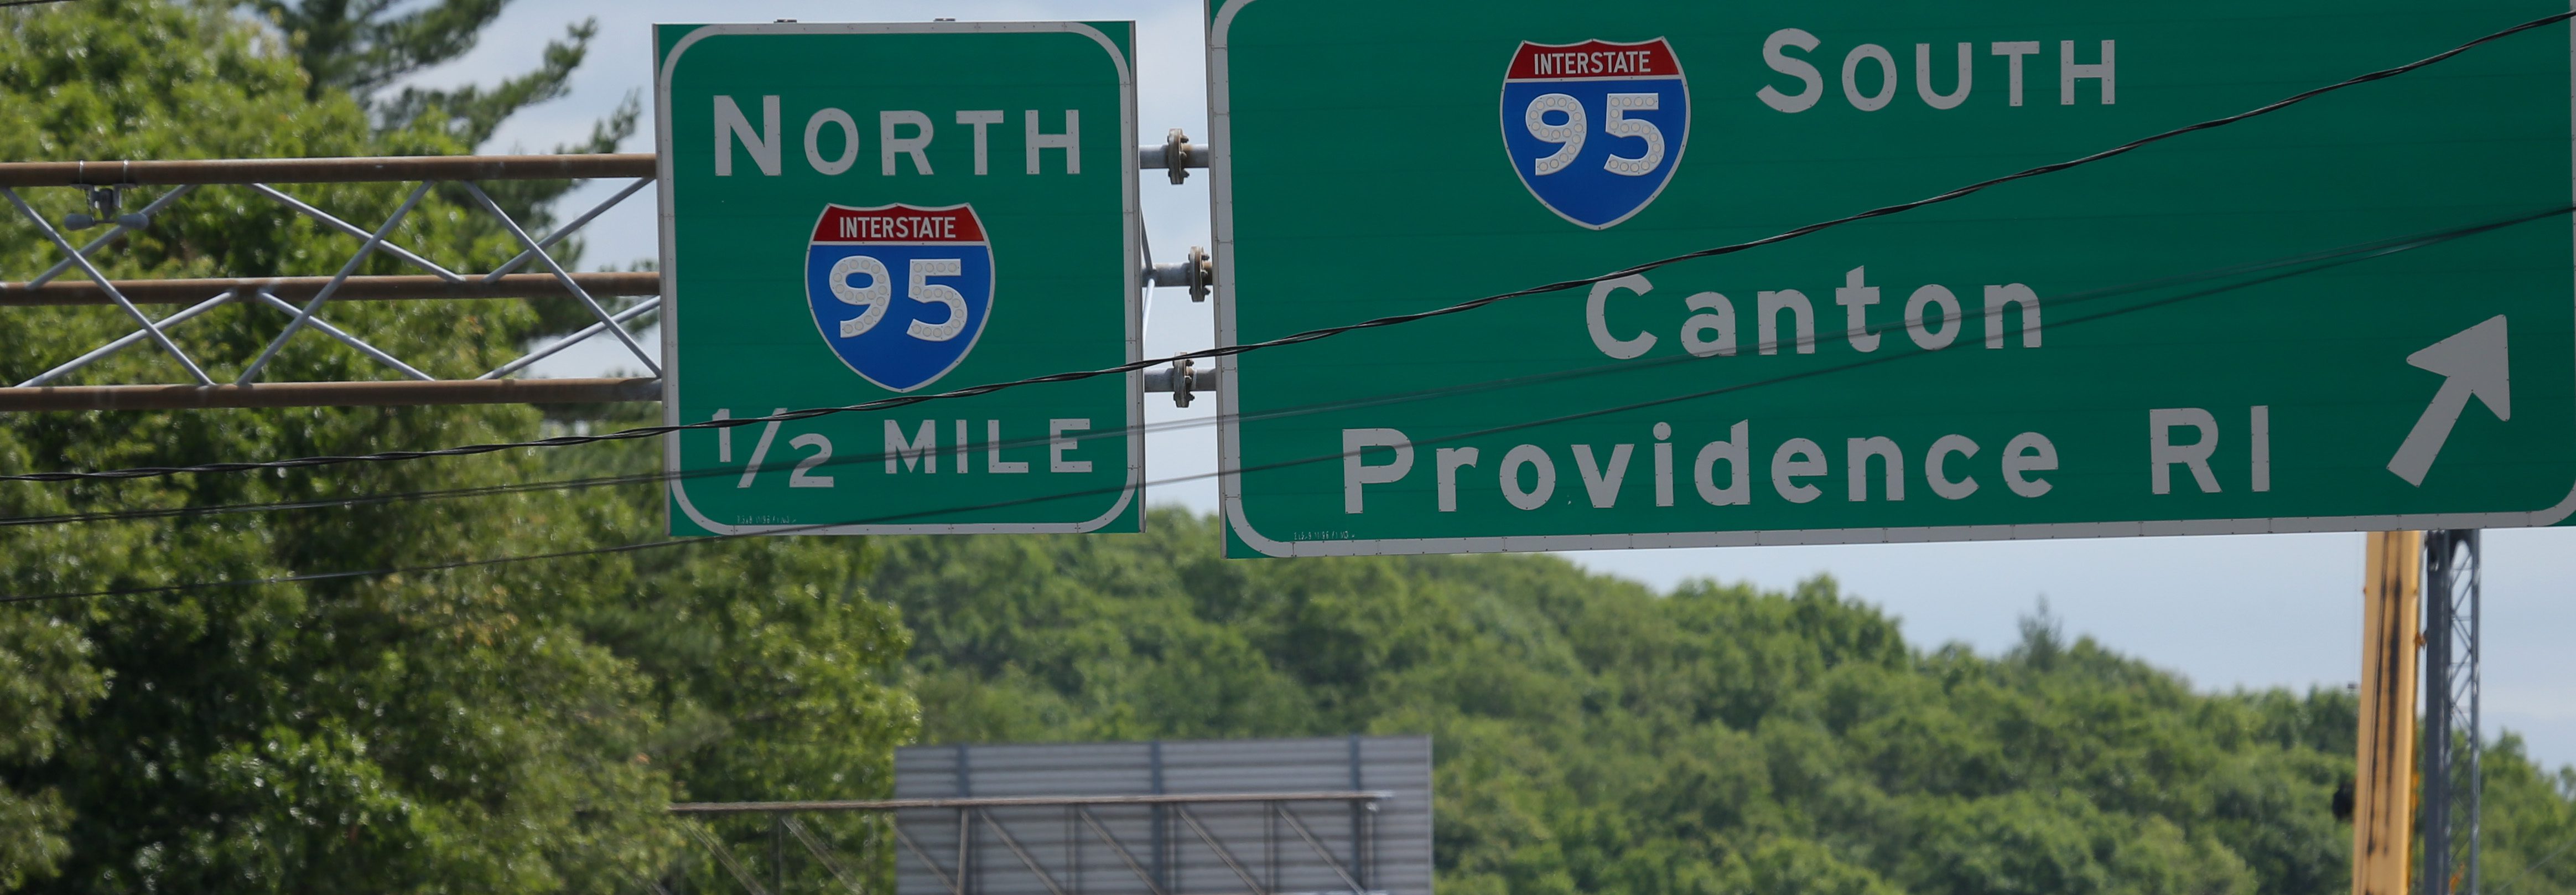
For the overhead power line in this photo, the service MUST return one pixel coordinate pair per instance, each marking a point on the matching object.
(2356, 251)
(1309, 335)
(2376, 251)
(2536, 865)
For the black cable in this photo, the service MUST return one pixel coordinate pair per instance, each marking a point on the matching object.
(10, 3)
(1302, 337)
(2536, 865)
(2371, 248)
(2385, 250)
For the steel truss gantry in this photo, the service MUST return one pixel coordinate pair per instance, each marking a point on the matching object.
(1283, 831)
(302, 299)
(2451, 736)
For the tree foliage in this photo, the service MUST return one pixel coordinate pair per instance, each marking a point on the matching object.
(511, 729)
(1593, 736)
(519, 728)
(361, 49)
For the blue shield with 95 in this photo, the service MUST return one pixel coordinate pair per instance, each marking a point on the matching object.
(900, 292)
(1595, 129)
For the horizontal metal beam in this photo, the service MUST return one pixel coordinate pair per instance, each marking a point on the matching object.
(1159, 379)
(399, 393)
(1027, 801)
(328, 170)
(390, 288)
(1157, 158)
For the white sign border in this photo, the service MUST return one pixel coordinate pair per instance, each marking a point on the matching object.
(679, 496)
(1230, 435)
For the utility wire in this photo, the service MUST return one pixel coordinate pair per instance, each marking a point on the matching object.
(2536, 865)
(2385, 250)
(1309, 335)
(2372, 248)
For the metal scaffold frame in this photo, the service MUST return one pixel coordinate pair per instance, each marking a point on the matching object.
(975, 815)
(2452, 740)
(303, 298)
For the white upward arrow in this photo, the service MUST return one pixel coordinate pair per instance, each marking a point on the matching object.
(2474, 361)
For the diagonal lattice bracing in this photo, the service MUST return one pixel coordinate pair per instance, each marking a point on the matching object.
(538, 251)
(567, 229)
(1013, 843)
(272, 179)
(822, 855)
(723, 856)
(1056, 867)
(1118, 848)
(1222, 853)
(2451, 782)
(304, 315)
(119, 344)
(334, 332)
(78, 257)
(387, 246)
(576, 337)
(113, 232)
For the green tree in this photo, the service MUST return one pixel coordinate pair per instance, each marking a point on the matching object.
(45, 676)
(2530, 824)
(772, 671)
(364, 49)
(1593, 736)
(506, 729)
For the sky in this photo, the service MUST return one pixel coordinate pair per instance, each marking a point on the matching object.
(2250, 611)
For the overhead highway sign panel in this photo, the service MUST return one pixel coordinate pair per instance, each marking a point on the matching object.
(854, 212)
(2355, 313)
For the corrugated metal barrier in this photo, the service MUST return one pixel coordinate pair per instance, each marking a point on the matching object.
(1323, 815)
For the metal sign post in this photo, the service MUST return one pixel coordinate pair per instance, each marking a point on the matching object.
(2451, 783)
(2353, 314)
(853, 212)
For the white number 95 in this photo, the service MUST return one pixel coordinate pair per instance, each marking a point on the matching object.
(1570, 134)
(917, 287)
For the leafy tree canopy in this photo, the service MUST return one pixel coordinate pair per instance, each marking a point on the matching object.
(512, 729)
(1593, 736)
(519, 728)
(362, 48)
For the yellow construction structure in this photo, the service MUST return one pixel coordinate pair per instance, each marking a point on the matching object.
(2383, 791)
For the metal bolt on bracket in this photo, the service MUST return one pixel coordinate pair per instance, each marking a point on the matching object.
(1175, 157)
(1183, 379)
(103, 203)
(1202, 273)
(1185, 376)
(1198, 273)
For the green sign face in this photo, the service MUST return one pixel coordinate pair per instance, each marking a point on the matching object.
(853, 212)
(2288, 324)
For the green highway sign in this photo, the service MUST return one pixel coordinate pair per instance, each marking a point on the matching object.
(852, 212)
(2355, 313)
